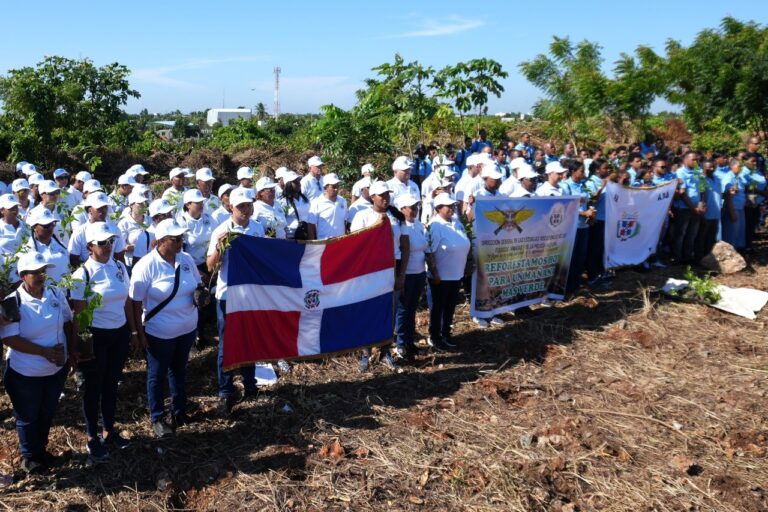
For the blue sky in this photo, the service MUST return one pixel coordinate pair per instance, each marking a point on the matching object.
(195, 55)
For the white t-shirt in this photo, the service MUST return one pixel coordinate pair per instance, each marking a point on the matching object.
(450, 246)
(270, 217)
(484, 192)
(198, 237)
(152, 283)
(73, 197)
(398, 188)
(211, 204)
(370, 217)
(252, 229)
(79, 247)
(56, 253)
(110, 280)
(357, 188)
(466, 186)
(509, 185)
(10, 237)
(137, 235)
(328, 216)
(291, 219)
(546, 189)
(311, 187)
(219, 215)
(42, 323)
(418, 246)
(359, 205)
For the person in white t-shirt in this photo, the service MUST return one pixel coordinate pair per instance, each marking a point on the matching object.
(42, 240)
(96, 208)
(204, 180)
(450, 245)
(555, 173)
(245, 177)
(239, 223)
(173, 194)
(361, 203)
(165, 328)
(366, 172)
(312, 184)
(266, 211)
(38, 349)
(20, 188)
(328, 212)
(527, 177)
(470, 181)
(401, 183)
(133, 228)
(111, 332)
(12, 230)
(295, 206)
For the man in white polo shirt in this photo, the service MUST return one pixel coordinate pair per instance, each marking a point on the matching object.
(204, 181)
(366, 172)
(173, 193)
(217, 259)
(97, 209)
(401, 183)
(555, 173)
(245, 177)
(312, 182)
(527, 177)
(471, 181)
(328, 212)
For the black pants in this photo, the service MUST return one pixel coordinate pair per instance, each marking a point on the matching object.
(685, 227)
(596, 249)
(751, 219)
(100, 376)
(707, 237)
(444, 296)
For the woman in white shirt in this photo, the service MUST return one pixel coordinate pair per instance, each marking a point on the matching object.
(133, 227)
(20, 188)
(42, 222)
(295, 205)
(265, 212)
(165, 317)
(111, 335)
(450, 245)
(419, 257)
(224, 211)
(12, 230)
(39, 347)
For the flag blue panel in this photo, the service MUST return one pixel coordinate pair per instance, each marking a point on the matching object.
(357, 324)
(264, 261)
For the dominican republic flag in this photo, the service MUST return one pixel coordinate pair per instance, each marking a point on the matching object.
(289, 299)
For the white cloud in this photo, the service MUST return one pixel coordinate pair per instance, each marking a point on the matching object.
(441, 27)
(161, 75)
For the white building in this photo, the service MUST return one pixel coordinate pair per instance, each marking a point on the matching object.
(227, 115)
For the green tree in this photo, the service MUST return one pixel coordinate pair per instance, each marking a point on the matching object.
(62, 103)
(261, 111)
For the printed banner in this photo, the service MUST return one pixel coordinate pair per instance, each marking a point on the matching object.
(522, 251)
(634, 218)
(291, 300)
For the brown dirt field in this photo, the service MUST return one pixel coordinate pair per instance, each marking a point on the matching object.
(614, 401)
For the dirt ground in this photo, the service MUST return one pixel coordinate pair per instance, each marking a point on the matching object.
(614, 401)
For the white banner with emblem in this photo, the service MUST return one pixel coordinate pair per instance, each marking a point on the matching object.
(634, 218)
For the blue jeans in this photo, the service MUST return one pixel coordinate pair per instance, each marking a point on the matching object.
(578, 259)
(167, 358)
(407, 304)
(226, 379)
(100, 376)
(34, 402)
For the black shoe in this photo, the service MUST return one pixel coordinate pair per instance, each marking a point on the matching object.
(440, 347)
(32, 466)
(114, 440)
(161, 429)
(250, 394)
(447, 342)
(48, 459)
(181, 419)
(96, 450)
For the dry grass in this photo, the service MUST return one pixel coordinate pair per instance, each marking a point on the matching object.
(610, 402)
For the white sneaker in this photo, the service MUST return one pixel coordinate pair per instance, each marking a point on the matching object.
(497, 321)
(481, 322)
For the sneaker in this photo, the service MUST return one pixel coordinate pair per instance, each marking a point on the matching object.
(115, 440)
(31, 466)
(284, 366)
(96, 450)
(497, 321)
(161, 429)
(364, 364)
(481, 322)
(389, 361)
(430, 343)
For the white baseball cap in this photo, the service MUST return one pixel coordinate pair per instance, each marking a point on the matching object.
(224, 189)
(517, 163)
(98, 232)
(40, 216)
(137, 168)
(330, 179)
(96, 200)
(404, 200)
(137, 197)
(20, 165)
(35, 179)
(490, 171)
(126, 179)
(31, 261)
(474, 159)
(526, 171)
(204, 174)
(554, 167)
(443, 199)
(280, 172)
(263, 183)
(367, 168)
(83, 176)
(29, 169)
(58, 173)
(378, 188)
(19, 184)
(365, 182)
(177, 171)
(188, 172)
(239, 196)
(314, 162)
(168, 227)
(159, 206)
(245, 173)
(92, 186)
(290, 176)
(192, 195)
(8, 201)
(140, 188)
(402, 163)
(48, 187)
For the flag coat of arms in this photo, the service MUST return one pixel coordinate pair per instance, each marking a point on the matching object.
(289, 299)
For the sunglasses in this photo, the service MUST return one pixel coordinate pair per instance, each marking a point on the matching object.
(37, 272)
(102, 243)
(176, 239)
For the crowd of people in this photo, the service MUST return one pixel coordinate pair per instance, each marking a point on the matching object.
(151, 272)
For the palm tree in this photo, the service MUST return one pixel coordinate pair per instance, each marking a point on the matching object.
(261, 111)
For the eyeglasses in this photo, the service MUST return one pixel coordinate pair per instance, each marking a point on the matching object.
(661, 166)
(47, 226)
(36, 272)
(102, 243)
